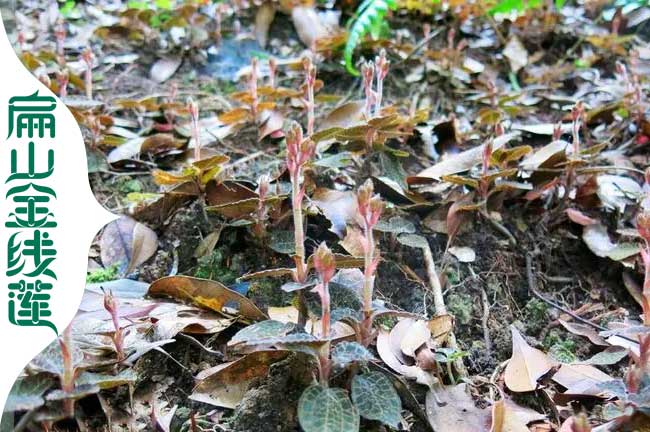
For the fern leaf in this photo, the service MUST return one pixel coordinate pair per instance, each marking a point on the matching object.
(369, 15)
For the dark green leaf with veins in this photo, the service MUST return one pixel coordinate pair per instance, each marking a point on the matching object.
(345, 314)
(376, 399)
(262, 331)
(349, 352)
(323, 409)
(27, 393)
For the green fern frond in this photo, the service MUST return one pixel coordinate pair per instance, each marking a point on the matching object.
(369, 16)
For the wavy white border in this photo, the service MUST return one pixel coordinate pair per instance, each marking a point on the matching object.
(78, 214)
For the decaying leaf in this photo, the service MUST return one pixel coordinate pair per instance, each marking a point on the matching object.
(164, 68)
(526, 365)
(206, 293)
(225, 384)
(127, 244)
(452, 409)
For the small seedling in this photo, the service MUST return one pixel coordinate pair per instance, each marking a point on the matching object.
(273, 71)
(193, 109)
(111, 306)
(60, 34)
(62, 80)
(310, 83)
(88, 58)
(252, 88)
(381, 70)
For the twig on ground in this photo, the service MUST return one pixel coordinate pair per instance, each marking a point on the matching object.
(439, 304)
(198, 344)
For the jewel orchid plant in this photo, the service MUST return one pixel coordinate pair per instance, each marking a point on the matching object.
(111, 306)
(370, 207)
(300, 150)
(323, 407)
(325, 265)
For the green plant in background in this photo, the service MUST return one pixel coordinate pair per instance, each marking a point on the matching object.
(508, 6)
(102, 275)
(368, 19)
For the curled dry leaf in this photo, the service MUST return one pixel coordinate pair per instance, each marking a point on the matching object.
(154, 144)
(526, 365)
(463, 254)
(598, 241)
(418, 334)
(510, 417)
(388, 356)
(308, 25)
(263, 19)
(516, 54)
(339, 207)
(549, 155)
(580, 218)
(584, 330)
(127, 244)
(208, 294)
(164, 68)
(463, 161)
(580, 379)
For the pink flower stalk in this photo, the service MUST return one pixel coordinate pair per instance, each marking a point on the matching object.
(643, 228)
(451, 36)
(493, 92)
(368, 73)
(60, 34)
(45, 79)
(325, 265)
(218, 19)
(111, 306)
(62, 79)
(193, 109)
(173, 91)
(67, 378)
(426, 30)
(87, 56)
(262, 211)
(370, 207)
(252, 87)
(577, 113)
(273, 70)
(310, 83)
(21, 40)
(299, 151)
(557, 131)
(381, 70)
(632, 88)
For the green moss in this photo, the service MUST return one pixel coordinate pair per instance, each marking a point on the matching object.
(560, 347)
(214, 266)
(461, 306)
(127, 185)
(536, 313)
(102, 275)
